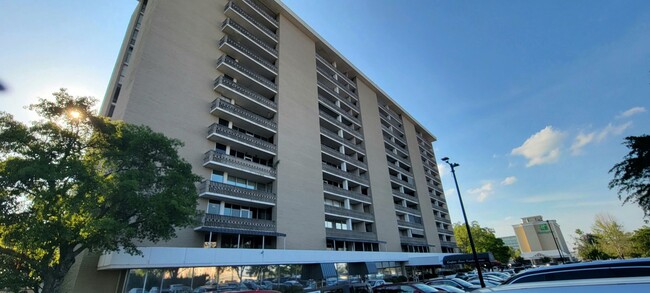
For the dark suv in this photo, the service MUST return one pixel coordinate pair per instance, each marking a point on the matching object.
(639, 267)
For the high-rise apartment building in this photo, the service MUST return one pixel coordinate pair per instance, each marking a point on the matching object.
(298, 149)
(539, 238)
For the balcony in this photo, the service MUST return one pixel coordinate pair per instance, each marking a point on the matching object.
(341, 125)
(346, 193)
(240, 34)
(339, 73)
(245, 118)
(405, 196)
(413, 241)
(334, 107)
(254, 9)
(393, 132)
(448, 244)
(238, 14)
(222, 191)
(346, 175)
(399, 168)
(439, 208)
(244, 97)
(445, 231)
(246, 76)
(344, 157)
(410, 224)
(333, 136)
(335, 81)
(402, 182)
(404, 209)
(248, 57)
(441, 219)
(220, 133)
(347, 213)
(396, 146)
(331, 92)
(391, 112)
(398, 158)
(236, 223)
(213, 159)
(350, 235)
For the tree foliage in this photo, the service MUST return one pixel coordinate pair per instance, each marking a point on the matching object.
(484, 241)
(76, 181)
(640, 241)
(612, 239)
(588, 246)
(632, 175)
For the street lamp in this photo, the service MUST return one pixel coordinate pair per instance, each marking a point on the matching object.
(469, 232)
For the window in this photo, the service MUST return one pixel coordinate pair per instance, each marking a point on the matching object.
(214, 207)
(217, 176)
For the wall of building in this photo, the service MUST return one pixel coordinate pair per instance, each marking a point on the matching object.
(300, 206)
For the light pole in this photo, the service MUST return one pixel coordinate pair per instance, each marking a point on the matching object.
(469, 232)
(555, 241)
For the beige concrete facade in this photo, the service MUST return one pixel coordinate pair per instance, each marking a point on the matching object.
(297, 148)
(536, 235)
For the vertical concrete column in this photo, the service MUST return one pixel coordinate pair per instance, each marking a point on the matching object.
(299, 185)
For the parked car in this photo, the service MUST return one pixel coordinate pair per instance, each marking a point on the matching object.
(588, 270)
(375, 283)
(488, 283)
(404, 288)
(628, 284)
(455, 282)
(447, 288)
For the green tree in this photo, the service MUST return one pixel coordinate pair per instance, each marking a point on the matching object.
(632, 175)
(641, 242)
(613, 240)
(75, 181)
(484, 241)
(588, 246)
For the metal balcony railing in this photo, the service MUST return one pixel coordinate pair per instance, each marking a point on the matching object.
(212, 220)
(410, 224)
(257, 24)
(337, 82)
(412, 240)
(339, 109)
(241, 137)
(404, 209)
(216, 188)
(251, 74)
(340, 124)
(251, 95)
(344, 141)
(441, 219)
(343, 157)
(350, 234)
(400, 181)
(336, 95)
(262, 12)
(338, 72)
(250, 36)
(347, 193)
(225, 106)
(349, 213)
(405, 196)
(247, 52)
(346, 175)
(445, 231)
(213, 157)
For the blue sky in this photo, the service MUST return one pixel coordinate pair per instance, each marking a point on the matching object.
(531, 98)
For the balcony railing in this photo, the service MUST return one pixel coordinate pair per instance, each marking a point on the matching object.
(341, 124)
(212, 220)
(347, 193)
(214, 157)
(398, 147)
(448, 243)
(410, 224)
(349, 213)
(404, 196)
(400, 181)
(344, 141)
(250, 36)
(350, 234)
(339, 73)
(343, 157)
(263, 13)
(257, 24)
(252, 75)
(398, 157)
(396, 134)
(439, 208)
(218, 129)
(441, 219)
(399, 168)
(336, 95)
(344, 174)
(225, 106)
(391, 112)
(340, 84)
(404, 209)
(339, 109)
(412, 240)
(206, 188)
(247, 52)
(244, 92)
(445, 231)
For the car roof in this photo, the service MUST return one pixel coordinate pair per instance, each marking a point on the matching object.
(643, 262)
(578, 285)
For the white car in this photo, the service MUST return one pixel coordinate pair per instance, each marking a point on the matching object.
(630, 284)
(375, 283)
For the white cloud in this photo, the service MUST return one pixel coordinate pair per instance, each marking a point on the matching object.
(631, 112)
(542, 147)
(442, 169)
(549, 198)
(509, 180)
(483, 192)
(583, 139)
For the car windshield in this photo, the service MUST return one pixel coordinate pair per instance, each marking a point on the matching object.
(425, 288)
(463, 282)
